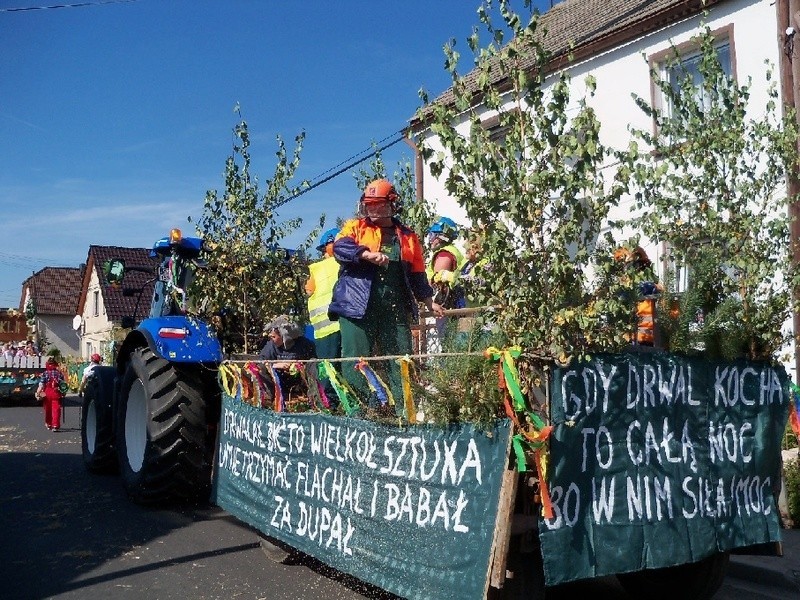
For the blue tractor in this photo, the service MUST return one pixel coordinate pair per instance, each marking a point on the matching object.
(153, 416)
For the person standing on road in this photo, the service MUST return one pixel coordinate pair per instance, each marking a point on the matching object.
(94, 362)
(382, 277)
(50, 390)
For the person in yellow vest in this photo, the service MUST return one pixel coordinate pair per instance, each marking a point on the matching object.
(446, 259)
(319, 287)
(648, 294)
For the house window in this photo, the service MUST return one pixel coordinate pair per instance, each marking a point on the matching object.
(498, 132)
(88, 349)
(96, 303)
(688, 65)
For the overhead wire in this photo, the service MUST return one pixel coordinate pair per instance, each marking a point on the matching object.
(357, 154)
(348, 166)
(72, 5)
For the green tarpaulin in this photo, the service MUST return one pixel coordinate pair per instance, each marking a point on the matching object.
(411, 510)
(658, 460)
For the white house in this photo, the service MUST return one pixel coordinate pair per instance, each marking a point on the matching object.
(52, 292)
(616, 41)
(101, 307)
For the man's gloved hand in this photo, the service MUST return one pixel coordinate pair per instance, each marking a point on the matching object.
(444, 276)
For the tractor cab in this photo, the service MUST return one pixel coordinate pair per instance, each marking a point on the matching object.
(179, 260)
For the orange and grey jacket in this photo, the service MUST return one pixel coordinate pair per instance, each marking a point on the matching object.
(352, 290)
(645, 314)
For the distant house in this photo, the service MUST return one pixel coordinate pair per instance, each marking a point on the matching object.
(52, 293)
(101, 306)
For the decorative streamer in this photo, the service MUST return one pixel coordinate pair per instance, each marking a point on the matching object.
(405, 373)
(260, 393)
(375, 383)
(535, 440)
(247, 387)
(299, 369)
(794, 408)
(506, 358)
(316, 391)
(349, 403)
(229, 380)
(280, 403)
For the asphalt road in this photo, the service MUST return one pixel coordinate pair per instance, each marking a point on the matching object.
(68, 534)
(65, 533)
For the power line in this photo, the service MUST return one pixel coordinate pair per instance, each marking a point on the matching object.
(343, 169)
(357, 154)
(74, 5)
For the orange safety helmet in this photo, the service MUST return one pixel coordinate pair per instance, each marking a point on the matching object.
(637, 256)
(378, 191)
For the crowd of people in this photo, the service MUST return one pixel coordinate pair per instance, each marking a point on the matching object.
(12, 350)
(365, 290)
(372, 275)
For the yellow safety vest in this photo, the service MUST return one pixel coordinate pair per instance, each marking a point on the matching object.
(452, 250)
(325, 273)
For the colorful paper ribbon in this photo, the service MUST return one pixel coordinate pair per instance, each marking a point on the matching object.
(316, 391)
(279, 404)
(375, 383)
(345, 395)
(254, 372)
(229, 378)
(530, 436)
(408, 400)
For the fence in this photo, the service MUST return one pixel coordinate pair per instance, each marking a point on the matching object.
(23, 362)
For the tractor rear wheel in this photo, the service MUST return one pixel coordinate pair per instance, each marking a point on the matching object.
(163, 431)
(97, 434)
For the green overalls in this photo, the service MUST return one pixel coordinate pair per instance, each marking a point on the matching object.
(385, 327)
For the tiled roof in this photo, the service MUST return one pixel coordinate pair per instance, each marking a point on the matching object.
(116, 304)
(586, 27)
(54, 290)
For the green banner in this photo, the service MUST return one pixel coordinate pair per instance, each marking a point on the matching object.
(411, 510)
(658, 460)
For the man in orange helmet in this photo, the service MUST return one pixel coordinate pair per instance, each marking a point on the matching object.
(381, 279)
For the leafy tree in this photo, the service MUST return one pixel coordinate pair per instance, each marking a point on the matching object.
(533, 184)
(711, 185)
(250, 277)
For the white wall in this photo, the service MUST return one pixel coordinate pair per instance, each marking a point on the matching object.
(625, 71)
(96, 330)
(57, 330)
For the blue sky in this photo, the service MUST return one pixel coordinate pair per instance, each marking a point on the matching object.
(116, 117)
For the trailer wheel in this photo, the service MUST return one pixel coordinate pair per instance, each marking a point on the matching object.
(162, 431)
(97, 433)
(694, 581)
